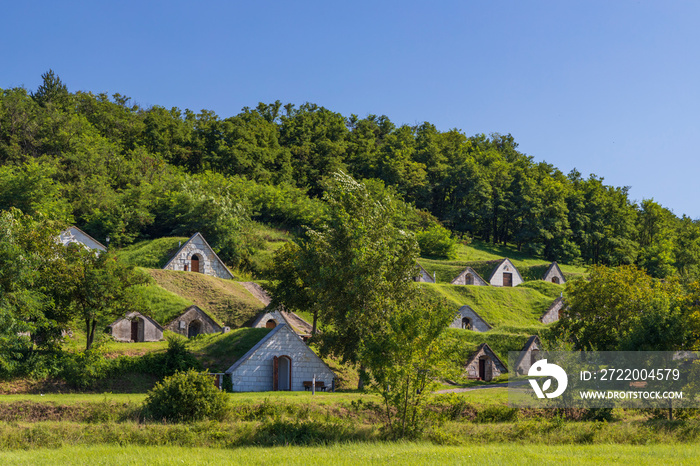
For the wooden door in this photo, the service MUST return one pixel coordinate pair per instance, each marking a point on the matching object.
(134, 330)
(195, 263)
(482, 369)
(507, 279)
(275, 373)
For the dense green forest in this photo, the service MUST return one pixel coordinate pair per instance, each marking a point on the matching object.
(125, 172)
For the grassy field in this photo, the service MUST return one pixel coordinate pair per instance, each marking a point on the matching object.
(320, 398)
(473, 427)
(364, 453)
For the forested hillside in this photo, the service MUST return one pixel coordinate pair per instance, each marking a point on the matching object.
(129, 173)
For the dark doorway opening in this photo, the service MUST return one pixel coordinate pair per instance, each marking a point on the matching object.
(135, 330)
(195, 263)
(194, 329)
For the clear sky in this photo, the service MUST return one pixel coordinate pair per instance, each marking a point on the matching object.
(607, 87)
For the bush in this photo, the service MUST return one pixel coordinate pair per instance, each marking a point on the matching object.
(178, 358)
(85, 369)
(185, 397)
(436, 242)
(497, 414)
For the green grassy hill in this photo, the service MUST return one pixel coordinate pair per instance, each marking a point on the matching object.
(218, 351)
(151, 254)
(513, 308)
(465, 342)
(483, 257)
(225, 300)
(513, 313)
(155, 253)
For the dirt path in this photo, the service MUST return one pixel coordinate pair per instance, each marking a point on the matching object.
(257, 291)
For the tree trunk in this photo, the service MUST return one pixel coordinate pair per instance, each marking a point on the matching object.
(90, 332)
(360, 381)
(313, 329)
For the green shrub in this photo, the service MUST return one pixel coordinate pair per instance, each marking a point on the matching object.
(278, 432)
(83, 370)
(185, 397)
(178, 358)
(436, 242)
(497, 414)
(598, 414)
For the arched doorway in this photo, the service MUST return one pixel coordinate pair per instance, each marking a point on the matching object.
(466, 323)
(137, 329)
(469, 279)
(555, 280)
(281, 373)
(194, 329)
(272, 323)
(194, 263)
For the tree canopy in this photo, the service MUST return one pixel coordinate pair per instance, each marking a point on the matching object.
(117, 169)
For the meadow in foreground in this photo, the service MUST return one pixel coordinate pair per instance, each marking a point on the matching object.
(363, 453)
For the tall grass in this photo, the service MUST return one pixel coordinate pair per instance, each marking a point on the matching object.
(363, 453)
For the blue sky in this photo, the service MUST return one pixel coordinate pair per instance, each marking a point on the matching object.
(607, 87)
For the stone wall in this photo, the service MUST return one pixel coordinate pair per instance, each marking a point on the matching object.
(478, 324)
(76, 235)
(148, 331)
(193, 314)
(554, 272)
(505, 267)
(552, 314)
(526, 356)
(209, 263)
(424, 277)
(462, 278)
(494, 368)
(275, 315)
(255, 373)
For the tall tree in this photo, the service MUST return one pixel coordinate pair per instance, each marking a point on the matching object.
(406, 359)
(51, 90)
(358, 266)
(655, 236)
(317, 140)
(98, 288)
(687, 249)
(30, 278)
(607, 309)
